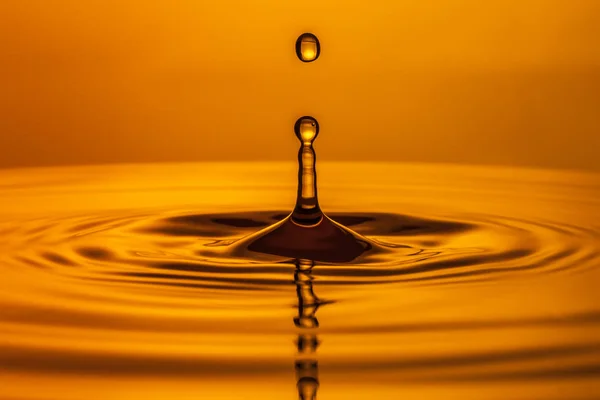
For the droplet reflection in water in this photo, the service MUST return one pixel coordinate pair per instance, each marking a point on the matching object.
(307, 366)
(308, 48)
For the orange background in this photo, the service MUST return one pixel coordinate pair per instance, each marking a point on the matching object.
(468, 81)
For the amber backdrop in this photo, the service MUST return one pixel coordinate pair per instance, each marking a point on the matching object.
(497, 81)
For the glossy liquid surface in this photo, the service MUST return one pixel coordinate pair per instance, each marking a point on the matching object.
(138, 281)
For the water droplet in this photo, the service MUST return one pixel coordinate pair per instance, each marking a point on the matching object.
(306, 129)
(308, 47)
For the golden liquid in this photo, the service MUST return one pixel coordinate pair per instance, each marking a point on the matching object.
(125, 282)
(307, 47)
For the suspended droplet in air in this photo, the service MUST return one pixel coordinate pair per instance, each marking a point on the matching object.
(308, 47)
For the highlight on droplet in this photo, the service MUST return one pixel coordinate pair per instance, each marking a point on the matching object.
(308, 47)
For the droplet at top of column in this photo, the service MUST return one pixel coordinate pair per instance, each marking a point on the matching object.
(306, 129)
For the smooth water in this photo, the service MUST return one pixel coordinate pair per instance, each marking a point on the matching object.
(139, 281)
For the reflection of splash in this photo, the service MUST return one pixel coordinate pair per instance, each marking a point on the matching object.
(308, 302)
(307, 367)
(308, 380)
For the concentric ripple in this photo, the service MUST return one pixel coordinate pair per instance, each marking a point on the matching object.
(481, 276)
(195, 250)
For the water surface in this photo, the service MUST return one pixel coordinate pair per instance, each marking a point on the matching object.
(133, 281)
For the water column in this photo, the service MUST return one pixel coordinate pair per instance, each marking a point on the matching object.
(307, 211)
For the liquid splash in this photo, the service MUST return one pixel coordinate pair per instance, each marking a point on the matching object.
(307, 232)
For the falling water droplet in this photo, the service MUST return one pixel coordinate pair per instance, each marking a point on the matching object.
(308, 47)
